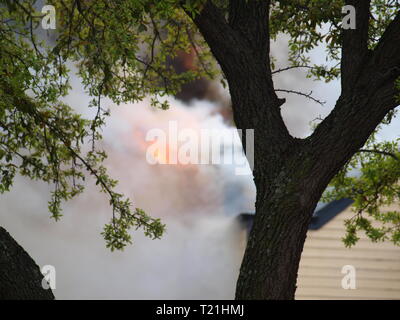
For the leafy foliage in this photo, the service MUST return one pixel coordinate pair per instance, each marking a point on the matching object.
(312, 23)
(122, 50)
(371, 178)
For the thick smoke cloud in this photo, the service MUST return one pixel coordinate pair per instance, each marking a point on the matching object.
(197, 258)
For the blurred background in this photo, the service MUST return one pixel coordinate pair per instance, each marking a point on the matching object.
(199, 256)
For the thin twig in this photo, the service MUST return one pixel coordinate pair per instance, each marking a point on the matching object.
(292, 67)
(386, 153)
(307, 95)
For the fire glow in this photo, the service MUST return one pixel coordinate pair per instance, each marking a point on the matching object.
(205, 146)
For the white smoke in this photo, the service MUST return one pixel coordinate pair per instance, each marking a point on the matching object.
(197, 258)
(200, 254)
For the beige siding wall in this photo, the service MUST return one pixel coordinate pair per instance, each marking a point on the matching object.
(377, 265)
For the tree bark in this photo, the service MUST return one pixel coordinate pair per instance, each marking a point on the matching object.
(20, 277)
(283, 213)
(270, 264)
(290, 174)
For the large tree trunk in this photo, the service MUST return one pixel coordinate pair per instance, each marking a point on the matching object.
(286, 198)
(290, 174)
(20, 277)
(271, 260)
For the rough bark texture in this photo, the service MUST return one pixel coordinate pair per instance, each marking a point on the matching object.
(291, 174)
(20, 277)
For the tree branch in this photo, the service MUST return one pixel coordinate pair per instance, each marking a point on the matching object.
(241, 47)
(250, 19)
(355, 44)
(370, 94)
(307, 95)
(386, 56)
(292, 67)
(385, 153)
(221, 38)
